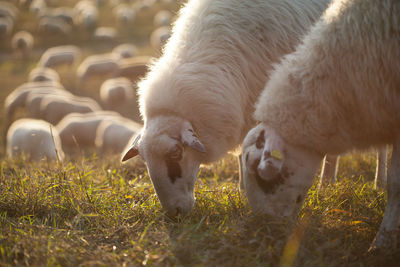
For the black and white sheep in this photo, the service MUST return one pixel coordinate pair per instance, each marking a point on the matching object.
(212, 71)
(337, 92)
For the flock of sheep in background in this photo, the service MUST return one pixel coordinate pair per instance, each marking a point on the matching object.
(58, 120)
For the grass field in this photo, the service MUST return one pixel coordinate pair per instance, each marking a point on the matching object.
(94, 211)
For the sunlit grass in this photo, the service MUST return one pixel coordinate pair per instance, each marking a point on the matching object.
(96, 211)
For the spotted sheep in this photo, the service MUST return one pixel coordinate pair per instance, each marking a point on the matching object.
(329, 96)
(213, 69)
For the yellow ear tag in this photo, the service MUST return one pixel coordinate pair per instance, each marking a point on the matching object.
(276, 154)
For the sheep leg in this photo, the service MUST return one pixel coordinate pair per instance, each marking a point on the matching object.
(329, 170)
(241, 185)
(381, 168)
(386, 237)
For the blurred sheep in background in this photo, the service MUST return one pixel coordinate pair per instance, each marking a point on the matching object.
(162, 18)
(60, 55)
(78, 131)
(6, 26)
(116, 92)
(22, 44)
(34, 99)
(112, 136)
(103, 65)
(125, 50)
(86, 15)
(17, 98)
(37, 7)
(42, 74)
(54, 107)
(8, 10)
(124, 14)
(36, 139)
(105, 34)
(52, 25)
(159, 37)
(133, 68)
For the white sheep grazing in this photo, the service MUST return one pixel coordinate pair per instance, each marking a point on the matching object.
(159, 37)
(42, 74)
(53, 25)
(117, 92)
(97, 65)
(8, 10)
(54, 107)
(60, 55)
(6, 26)
(37, 6)
(17, 98)
(112, 136)
(124, 14)
(133, 68)
(162, 18)
(213, 69)
(125, 50)
(105, 34)
(34, 99)
(337, 92)
(78, 131)
(35, 139)
(22, 43)
(87, 14)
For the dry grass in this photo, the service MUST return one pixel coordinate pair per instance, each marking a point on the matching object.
(97, 212)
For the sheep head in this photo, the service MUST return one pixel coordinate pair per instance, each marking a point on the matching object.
(276, 174)
(172, 152)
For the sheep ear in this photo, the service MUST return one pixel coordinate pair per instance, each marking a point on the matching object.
(133, 151)
(190, 138)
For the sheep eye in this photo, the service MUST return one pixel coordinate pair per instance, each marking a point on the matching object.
(175, 154)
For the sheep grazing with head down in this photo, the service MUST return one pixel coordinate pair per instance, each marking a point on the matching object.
(198, 98)
(6, 26)
(60, 55)
(125, 50)
(113, 135)
(133, 68)
(22, 43)
(337, 92)
(42, 74)
(34, 99)
(36, 139)
(54, 107)
(117, 92)
(17, 98)
(97, 65)
(78, 131)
